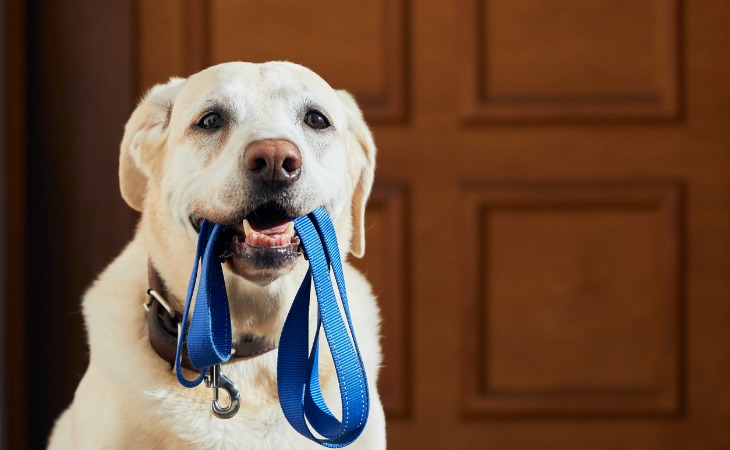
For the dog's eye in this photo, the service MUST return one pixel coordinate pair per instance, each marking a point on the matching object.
(316, 120)
(212, 120)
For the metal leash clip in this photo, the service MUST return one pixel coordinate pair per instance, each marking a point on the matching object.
(216, 380)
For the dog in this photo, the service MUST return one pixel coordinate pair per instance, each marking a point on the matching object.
(248, 146)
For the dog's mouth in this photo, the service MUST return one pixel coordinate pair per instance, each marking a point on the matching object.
(260, 247)
(267, 231)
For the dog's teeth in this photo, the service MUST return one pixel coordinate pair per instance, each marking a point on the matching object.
(247, 228)
(289, 229)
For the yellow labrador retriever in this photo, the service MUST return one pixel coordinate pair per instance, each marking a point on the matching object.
(245, 145)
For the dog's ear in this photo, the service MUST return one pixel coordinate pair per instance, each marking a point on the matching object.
(361, 149)
(144, 134)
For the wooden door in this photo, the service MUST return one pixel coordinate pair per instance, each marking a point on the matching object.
(548, 234)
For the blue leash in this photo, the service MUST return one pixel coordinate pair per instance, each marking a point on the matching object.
(206, 348)
(299, 390)
(209, 336)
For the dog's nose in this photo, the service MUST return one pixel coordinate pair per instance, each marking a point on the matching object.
(273, 161)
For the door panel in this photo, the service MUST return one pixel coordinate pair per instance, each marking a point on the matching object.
(386, 266)
(366, 56)
(573, 305)
(549, 228)
(563, 59)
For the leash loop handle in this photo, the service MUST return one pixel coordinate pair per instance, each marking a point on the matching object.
(209, 340)
(299, 388)
(300, 395)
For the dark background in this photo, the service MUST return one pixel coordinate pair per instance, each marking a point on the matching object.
(69, 87)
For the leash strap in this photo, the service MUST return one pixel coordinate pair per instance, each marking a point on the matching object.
(208, 337)
(299, 389)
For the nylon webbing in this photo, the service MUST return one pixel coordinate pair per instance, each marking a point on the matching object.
(208, 337)
(299, 390)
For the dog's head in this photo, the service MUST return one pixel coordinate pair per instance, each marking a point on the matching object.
(249, 146)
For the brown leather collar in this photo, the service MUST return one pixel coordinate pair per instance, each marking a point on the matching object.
(162, 326)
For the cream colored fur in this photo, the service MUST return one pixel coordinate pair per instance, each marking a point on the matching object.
(129, 398)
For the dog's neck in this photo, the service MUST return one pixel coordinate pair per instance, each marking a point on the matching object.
(162, 322)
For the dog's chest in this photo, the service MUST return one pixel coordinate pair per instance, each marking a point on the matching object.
(259, 424)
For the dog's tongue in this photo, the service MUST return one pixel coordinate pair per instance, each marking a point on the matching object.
(277, 233)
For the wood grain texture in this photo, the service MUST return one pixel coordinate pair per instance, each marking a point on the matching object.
(368, 38)
(385, 264)
(533, 60)
(200, 33)
(160, 42)
(574, 299)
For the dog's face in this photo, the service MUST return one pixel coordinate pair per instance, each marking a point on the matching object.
(249, 146)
